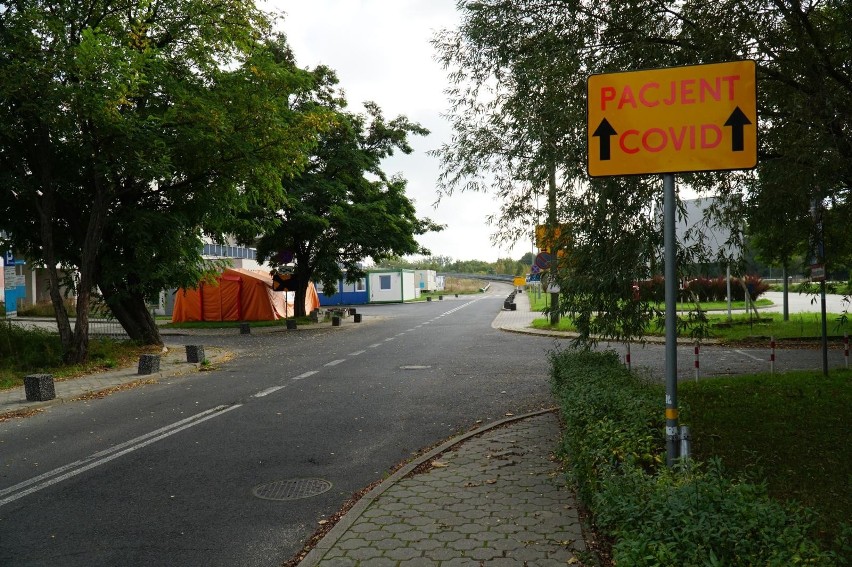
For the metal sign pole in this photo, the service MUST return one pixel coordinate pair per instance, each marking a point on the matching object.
(669, 243)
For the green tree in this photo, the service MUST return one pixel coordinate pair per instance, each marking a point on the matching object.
(113, 113)
(804, 81)
(343, 208)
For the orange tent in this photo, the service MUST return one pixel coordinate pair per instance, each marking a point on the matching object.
(238, 295)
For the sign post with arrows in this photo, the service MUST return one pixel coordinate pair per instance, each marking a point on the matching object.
(667, 121)
(681, 119)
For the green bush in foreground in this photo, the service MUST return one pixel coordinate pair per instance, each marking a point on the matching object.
(692, 515)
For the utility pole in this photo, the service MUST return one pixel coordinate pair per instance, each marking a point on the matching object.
(552, 229)
(817, 214)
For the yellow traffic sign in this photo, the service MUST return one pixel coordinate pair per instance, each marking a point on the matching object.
(680, 119)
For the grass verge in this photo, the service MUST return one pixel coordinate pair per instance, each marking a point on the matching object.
(747, 328)
(703, 513)
(33, 351)
(235, 324)
(793, 430)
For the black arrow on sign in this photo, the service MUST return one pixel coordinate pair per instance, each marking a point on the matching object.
(605, 131)
(737, 122)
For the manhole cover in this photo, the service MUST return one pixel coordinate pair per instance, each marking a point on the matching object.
(292, 489)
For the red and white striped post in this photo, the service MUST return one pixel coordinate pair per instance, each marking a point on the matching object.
(627, 357)
(846, 349)
(772, 355)
(696, 362)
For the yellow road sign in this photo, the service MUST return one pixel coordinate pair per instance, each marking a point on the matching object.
(695, 118)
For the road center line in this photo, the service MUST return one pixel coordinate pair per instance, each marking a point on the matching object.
(97, 459)
(375, 345)
(335, 362)
(305, 375)
(357, 352)
(267, 391)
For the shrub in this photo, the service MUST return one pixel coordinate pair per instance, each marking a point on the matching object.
(29, 349)
(705, 289)
(690, 515)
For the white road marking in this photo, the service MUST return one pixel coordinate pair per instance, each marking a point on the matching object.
(357, 352)
(751, 356)
(305, 375)
(335, 362)
(102, 457)
(267, 391)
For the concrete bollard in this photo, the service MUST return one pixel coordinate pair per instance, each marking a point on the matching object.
(335, 321)
(513, 307)
(357, 317)
(314, 316)
(440, 298)
(429, 298)
(195, 353)
(245, 329)
(149, 364)
(39, 387)
(291, 324)
(352, 311)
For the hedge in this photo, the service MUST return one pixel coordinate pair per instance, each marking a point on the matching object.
(691, 515)
(705, 289)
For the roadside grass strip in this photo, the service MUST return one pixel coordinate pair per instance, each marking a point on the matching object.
(698, 512)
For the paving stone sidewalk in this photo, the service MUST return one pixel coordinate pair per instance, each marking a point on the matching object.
(499, 498)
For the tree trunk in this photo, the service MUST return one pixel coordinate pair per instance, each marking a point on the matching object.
(301, 290)
(87, 268)
(131, 311)
(46, 207)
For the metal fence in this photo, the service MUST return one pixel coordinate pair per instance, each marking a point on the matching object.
(107, 328)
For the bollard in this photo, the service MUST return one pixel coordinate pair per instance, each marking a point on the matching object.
(352, 311)
(429, 298)
(39, 387)
(772, 355)
(513, 307)
(440, 298)
(357, 317)
(194, 353)
(627, 357)
(335, 321)
(245, 329)
(696, 362)
(291, 324)
(148, 364)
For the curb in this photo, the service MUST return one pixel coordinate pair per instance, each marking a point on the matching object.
(328, 541)
(571, 335)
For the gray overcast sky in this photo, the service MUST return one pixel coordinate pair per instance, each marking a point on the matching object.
(381, 51)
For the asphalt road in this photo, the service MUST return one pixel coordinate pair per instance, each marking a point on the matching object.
(168, 473)
(164, 474)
